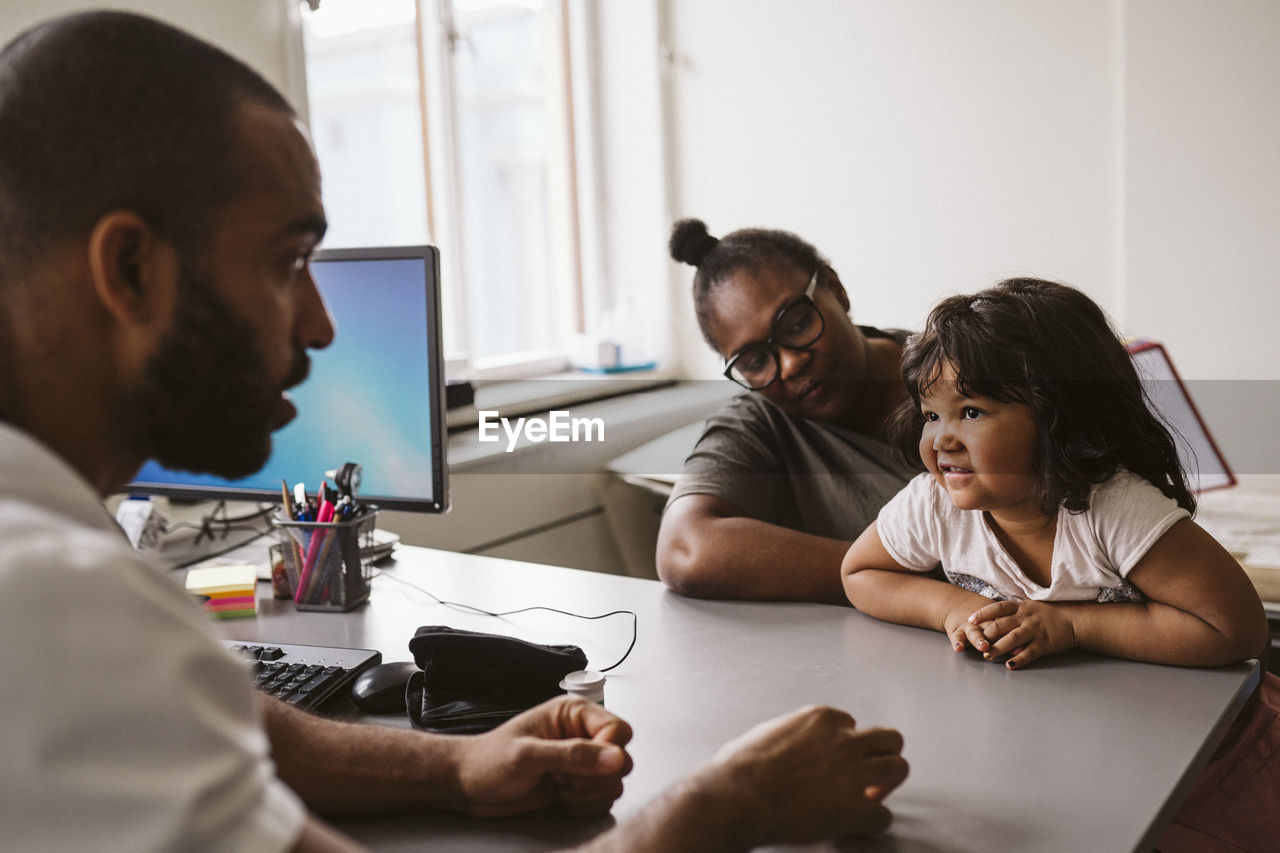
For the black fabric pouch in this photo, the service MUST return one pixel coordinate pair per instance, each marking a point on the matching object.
(472, 682)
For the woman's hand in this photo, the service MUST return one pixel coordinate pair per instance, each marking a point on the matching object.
(1024, 630)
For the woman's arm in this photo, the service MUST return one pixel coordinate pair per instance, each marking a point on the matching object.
(708, 548)
(1202, 610)
(881, 587)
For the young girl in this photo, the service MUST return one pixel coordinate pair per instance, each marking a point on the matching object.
(1048, 480)
(1056, 504)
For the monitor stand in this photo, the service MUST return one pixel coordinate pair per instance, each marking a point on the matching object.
(204, 530)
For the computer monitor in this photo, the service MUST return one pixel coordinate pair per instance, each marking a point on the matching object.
(374, 397)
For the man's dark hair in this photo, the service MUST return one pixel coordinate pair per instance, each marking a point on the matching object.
(1050, 347)
(103, 111)
(744, 249)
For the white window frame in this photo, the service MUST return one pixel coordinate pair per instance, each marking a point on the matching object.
(437, 39)
(588, 35)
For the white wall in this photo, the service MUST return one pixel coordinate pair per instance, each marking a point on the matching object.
(927, 147)
(622, 174)
(258, 32)
(1202, 184)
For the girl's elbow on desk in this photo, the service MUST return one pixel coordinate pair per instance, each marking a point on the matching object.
(1170, 636)
(1255, 637)
(859, 585)
(866, 552)
(855, 586)
(876, 591)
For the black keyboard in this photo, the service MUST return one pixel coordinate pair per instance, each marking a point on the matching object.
(304, 676)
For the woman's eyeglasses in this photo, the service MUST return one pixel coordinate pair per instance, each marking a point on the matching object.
(798, 325)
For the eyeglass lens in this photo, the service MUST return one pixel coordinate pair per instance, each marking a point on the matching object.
(797, 327)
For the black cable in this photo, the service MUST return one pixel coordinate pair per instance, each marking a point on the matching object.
(200, 558)
(263, 509)
(218, 519)
(224, 529)
(634, 619)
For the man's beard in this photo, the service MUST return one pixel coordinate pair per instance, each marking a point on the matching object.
(207, 402)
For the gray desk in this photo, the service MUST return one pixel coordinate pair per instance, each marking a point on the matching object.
(1077, 753)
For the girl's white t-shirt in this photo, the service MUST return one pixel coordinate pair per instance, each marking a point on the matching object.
(1093, 551)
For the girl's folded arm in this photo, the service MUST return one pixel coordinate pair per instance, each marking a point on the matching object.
(880, 586)
(1202, 609)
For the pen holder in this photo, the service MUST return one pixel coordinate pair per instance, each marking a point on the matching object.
(324, 563)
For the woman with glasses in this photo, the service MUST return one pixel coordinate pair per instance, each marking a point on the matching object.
(791, 470)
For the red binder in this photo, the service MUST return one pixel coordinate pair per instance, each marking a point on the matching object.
(1203, 461)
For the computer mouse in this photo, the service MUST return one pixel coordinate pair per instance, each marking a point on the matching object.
(380, 689)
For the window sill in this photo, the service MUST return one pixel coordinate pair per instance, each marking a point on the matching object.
(633, 414)
(523, 397)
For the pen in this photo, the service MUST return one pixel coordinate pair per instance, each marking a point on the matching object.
(302, 510)
(285, 507)
(323, 571)
(306, 581)
(295, 545)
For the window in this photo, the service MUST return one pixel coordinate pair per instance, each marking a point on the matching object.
(450, 122)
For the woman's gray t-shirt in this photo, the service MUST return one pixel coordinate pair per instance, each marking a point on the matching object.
(806, 475)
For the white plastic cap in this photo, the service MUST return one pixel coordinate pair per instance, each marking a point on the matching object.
(586, 684)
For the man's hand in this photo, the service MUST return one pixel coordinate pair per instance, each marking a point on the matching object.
(565, 752)
(1025, 630)
(808, 776)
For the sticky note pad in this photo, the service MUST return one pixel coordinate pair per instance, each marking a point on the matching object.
(207, 579)
(225, 591)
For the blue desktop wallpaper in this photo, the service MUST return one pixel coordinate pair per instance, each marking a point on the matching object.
(368, 398)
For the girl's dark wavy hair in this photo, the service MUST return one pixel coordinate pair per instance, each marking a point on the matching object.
(1051, 347)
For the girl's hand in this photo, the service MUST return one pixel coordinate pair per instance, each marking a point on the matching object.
(1025, 630)
(961, 630)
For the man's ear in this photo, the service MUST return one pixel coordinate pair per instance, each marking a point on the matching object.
(134, 270)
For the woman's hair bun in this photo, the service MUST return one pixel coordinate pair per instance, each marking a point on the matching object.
(690, 241)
